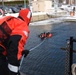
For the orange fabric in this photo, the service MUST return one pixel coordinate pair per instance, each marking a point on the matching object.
(49, 35)
(21, 47)
(17, 26)
(2, 19)
(25, 14)
(17, 29)
(43, 35)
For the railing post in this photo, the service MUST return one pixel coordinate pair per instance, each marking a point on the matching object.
(71, 55)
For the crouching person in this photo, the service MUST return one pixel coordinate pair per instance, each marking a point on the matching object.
(13, 36)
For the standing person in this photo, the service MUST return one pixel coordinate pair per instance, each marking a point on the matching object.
(13, 35)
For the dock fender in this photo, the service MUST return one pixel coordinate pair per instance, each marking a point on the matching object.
(73, 67)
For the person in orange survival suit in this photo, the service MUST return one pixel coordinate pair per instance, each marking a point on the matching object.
(13, 35)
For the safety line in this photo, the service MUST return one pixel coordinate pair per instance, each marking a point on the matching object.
(31, 50)
(37, 45)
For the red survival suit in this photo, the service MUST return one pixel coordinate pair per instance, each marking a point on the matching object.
(13, 35)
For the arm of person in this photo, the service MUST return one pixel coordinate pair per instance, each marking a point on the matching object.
(14, 52)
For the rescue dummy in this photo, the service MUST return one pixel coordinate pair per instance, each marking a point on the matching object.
(14, 33)
(45, 35)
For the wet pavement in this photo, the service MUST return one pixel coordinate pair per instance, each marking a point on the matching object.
(48, 58)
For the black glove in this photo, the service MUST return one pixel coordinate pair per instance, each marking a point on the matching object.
(25, 53)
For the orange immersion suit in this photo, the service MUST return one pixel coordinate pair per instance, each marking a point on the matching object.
(13, 35)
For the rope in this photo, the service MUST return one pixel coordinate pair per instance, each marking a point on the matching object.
(37, 45)
(31, 50)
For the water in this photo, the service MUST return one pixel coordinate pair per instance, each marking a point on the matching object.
(48, 58)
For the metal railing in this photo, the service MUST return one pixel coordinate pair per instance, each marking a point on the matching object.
(69, 55)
